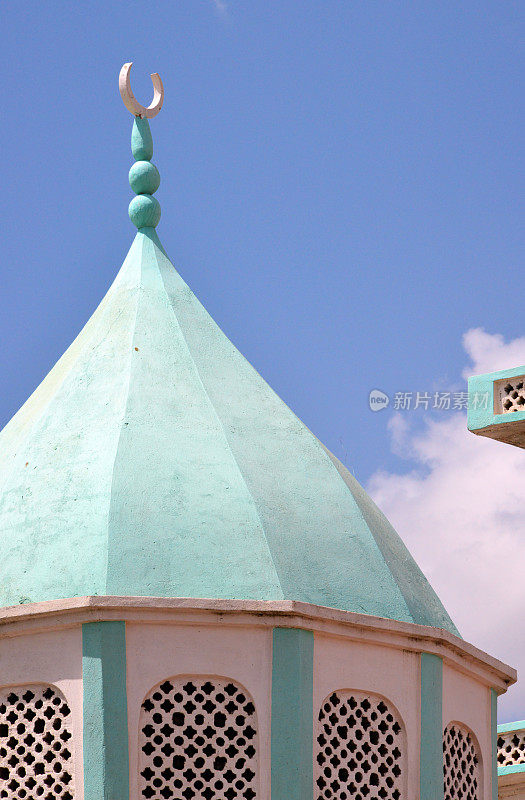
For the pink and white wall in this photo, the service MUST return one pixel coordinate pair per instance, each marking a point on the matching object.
(153, 698)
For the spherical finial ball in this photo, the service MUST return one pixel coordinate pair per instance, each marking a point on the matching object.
(144, 177)
(144, 211)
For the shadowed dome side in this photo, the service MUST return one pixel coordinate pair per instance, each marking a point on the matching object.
(154, 460)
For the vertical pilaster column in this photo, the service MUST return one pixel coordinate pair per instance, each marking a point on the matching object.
(431, 757)
(292, 714)
(106, 757)
(494, 739)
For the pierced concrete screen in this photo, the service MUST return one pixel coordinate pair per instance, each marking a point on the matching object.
(36, 759)
(509, 395)
(461, 767)
(511, 748)
(198, 739)
(360, 749)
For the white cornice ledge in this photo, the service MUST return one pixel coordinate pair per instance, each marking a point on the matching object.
(52, 614)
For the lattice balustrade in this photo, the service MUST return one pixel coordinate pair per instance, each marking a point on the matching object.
(198, 739)
(510, 395)
(36, 752)
(360, 749)
(461, 766)
(511, 748)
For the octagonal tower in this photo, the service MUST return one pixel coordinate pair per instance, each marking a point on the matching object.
(200, 601)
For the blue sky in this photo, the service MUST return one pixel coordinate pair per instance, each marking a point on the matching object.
(341, 187)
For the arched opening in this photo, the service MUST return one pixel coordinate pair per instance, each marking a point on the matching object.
(36, 743)
(198, 739)
(462, 773)
(360, 749)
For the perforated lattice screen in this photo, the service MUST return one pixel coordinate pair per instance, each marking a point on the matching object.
(510, 395)
(360, 751)
(511, 748)
(461, 768)
(36, 759)
(198, 739)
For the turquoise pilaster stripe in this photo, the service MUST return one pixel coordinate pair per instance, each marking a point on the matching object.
(106, 758)
(494, 737)
(431, 759)
(292, 714)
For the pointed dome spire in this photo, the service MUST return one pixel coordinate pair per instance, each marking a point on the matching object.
(144, 178)
(154, 460)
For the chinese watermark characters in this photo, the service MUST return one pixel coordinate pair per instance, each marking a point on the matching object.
(428, 401)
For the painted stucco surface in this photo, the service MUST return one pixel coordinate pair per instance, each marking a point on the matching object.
(470, 703)
(106, 763)
(156, 653)
(386, 672)
(510, 778)
(53, 659)
(292, 714)
(431, 728)
(158, 456)
(480, 417)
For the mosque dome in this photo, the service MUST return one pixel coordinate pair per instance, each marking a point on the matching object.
(154, 460)
(200, 602)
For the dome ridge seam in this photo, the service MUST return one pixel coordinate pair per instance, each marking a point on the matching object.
(124, 412)
(217, 417)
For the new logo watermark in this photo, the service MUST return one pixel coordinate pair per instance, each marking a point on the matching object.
(377, 400)
(438, 401)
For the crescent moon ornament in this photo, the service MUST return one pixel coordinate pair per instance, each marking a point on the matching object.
(128, 97)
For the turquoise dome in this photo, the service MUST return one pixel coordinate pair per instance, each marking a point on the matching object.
(154, 460)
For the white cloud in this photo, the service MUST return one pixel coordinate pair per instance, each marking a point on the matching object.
(220, 6)
(461, 512)
(489, 352)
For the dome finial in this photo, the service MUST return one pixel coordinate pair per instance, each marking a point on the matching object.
(144, 178)
(128, 97)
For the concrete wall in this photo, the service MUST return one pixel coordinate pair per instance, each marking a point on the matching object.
(371, 657)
